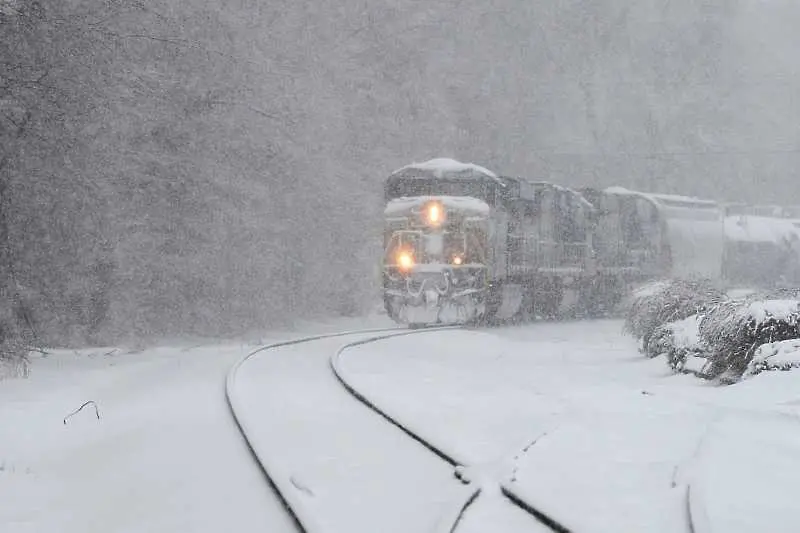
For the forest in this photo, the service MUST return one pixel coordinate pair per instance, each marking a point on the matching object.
(204, 168)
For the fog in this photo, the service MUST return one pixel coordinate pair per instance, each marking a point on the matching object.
(191, 167)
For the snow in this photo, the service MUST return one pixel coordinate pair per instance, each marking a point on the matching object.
(165, 455)
(649, 289)
(572, 192)
(687, 352)
(761, 310)
(467, 204)
(686, 332)
(494, 512)
(760, 229)
(441, 166)
(695, 364)
(699, 202)
(348, 468)
(567, 417)
(781, 355)
(746, 476)
(615, 442)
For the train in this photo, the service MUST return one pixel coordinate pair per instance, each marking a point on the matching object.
(463, 244)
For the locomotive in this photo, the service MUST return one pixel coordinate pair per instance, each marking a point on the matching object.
(462, 244)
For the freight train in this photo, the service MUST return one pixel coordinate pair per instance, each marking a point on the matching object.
(463, 244)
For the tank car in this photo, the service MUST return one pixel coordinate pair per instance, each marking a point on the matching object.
(762, 251)
(463, 244)
(638, 236)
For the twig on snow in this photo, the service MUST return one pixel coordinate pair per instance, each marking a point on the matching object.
(79, 409)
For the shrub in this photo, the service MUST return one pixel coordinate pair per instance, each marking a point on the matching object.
(735, 329)
(781, 355)
(659, 303)
(680, 344)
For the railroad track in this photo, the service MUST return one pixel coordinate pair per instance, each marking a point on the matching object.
(460, 467)
(477, 482)
(274, 473)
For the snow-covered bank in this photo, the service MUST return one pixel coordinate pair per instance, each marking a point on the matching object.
(164, 456)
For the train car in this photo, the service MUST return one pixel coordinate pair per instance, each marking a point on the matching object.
(639, 236)
(762, 251)
(463, 244)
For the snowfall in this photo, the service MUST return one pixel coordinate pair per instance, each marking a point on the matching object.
(567, 417)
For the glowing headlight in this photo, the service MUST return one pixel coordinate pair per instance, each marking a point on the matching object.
(434, 213)
(457, 260)
(405, 260)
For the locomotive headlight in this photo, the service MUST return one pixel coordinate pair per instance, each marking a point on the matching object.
(405, 260)
(434, 213)
(457, 260)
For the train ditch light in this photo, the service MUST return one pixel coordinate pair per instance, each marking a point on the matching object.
(405, 261)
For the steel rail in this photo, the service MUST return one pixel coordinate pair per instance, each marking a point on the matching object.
(449, 457)
(279, 481)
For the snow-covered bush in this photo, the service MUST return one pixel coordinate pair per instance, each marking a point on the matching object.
(662, 302)
(781, 355)
(680, 344)
(734, 329)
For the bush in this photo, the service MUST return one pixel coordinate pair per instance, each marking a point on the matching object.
(676, 341)
(781, 355)
(680, 344)
(735, 329)
(662, 302)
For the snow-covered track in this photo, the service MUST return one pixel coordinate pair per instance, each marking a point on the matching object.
(450, 523)
(335, 362)
(280, 480)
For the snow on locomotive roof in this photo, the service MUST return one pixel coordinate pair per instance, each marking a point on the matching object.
(581, 198)
(751, 228)
(463, 203)
(442, 165)
(673, 200)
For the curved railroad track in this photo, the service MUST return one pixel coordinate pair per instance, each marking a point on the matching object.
(477, 483)
(280, 480)
(461, 468)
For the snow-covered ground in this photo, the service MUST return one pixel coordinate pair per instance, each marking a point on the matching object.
(567, 416)
(165, 455)
(619, 443)
(341, 465)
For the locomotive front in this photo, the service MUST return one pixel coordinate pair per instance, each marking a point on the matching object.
(435, 253)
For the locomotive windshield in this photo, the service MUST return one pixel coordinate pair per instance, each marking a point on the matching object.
(406, 248)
